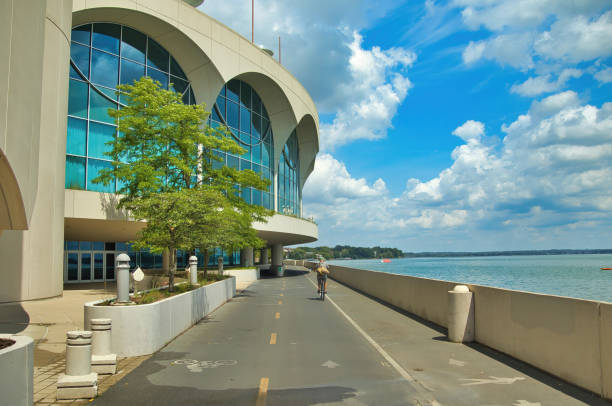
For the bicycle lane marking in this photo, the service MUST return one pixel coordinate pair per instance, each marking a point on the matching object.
(403, 373)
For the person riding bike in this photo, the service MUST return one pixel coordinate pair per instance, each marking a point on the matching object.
(322, 271)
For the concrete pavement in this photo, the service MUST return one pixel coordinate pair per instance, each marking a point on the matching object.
(277, 344)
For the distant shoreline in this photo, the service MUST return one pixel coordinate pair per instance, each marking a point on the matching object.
(490, 254)
(504, 253)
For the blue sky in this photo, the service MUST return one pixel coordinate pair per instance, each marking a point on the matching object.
(457, 125)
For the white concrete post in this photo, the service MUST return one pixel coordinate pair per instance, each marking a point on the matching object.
(193, 270)
(277, 260)
(102, 360)
(460, 314)
(220, 264)
(122, 273)
(78, 382)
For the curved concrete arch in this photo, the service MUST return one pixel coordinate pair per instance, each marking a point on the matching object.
(205, 78)
(12, 210)
(211, 55)
(308, 141)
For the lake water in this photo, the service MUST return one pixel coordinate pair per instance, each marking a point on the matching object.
(576, 276)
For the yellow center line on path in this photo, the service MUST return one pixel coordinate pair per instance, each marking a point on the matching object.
(277, 315)
(273, 338)
(263, 392)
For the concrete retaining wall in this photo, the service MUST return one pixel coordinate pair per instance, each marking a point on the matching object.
(144, 329)
(569, 338)
(17, 371)
(243, 275)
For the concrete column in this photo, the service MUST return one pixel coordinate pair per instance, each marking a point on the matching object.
(277, 260)
(122, 273)
(460, 314)
(78, 382)
(193, 270)
(102, 359)
(33, 108)
(246, 257)
(264, 256)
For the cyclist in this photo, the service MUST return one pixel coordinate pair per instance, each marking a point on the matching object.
(322, 271)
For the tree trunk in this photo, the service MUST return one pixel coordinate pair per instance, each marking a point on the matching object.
(206, 258)
(172, 263)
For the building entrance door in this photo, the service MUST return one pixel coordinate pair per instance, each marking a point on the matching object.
(89, 266)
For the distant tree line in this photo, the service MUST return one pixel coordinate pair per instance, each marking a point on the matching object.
(345, 251)
(504, 253)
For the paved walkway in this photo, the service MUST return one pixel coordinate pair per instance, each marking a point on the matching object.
(277, 344)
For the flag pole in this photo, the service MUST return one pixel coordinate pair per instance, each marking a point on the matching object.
(252, 21)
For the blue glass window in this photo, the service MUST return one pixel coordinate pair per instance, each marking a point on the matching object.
(77, 99)
(157, 57)
(233, 90)
(176, 70)
(106, 37)
(245, 120)
(77, 134)
(240, 108)
(131, 72)
(93, 171)
(161, 77)
(82, 34)
(98, 108)
(99, 135)
(289, 194)
(104, 69)
(133, 45)
(80, 55)
(75, 173)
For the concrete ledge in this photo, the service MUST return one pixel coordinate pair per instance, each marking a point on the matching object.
(144, 329)
(243, 275)
(17, 371)
(566, 337)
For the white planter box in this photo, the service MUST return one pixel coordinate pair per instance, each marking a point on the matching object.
(144, 329)
(243, 275)
(17, 371)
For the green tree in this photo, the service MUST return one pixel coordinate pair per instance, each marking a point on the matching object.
(164, 157)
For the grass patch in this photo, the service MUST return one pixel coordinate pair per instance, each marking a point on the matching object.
(156, 295)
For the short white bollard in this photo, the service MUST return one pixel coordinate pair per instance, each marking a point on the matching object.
(460, 315)
(123, 278)
(78, 382)
(220, 265)
(102, 360)
(193, 270)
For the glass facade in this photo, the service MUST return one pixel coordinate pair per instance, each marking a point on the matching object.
(239, 108)
(91, 261)
(102, 56)
(289, 193)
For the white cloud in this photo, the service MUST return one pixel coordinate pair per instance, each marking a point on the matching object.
(549, 36)
(376, 89)
(604, 75)
(535, 86)
(549, 179)
(470, 130)
(313, 32)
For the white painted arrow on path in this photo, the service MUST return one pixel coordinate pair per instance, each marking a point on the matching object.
(526, 403)
(494, 379)
(456, 362)
(330, 364)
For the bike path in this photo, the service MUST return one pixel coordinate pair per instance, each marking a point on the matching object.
(277, 344)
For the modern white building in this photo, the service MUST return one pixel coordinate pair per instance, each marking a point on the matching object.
(60, 62)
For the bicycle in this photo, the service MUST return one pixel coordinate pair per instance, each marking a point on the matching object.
(321, 286)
